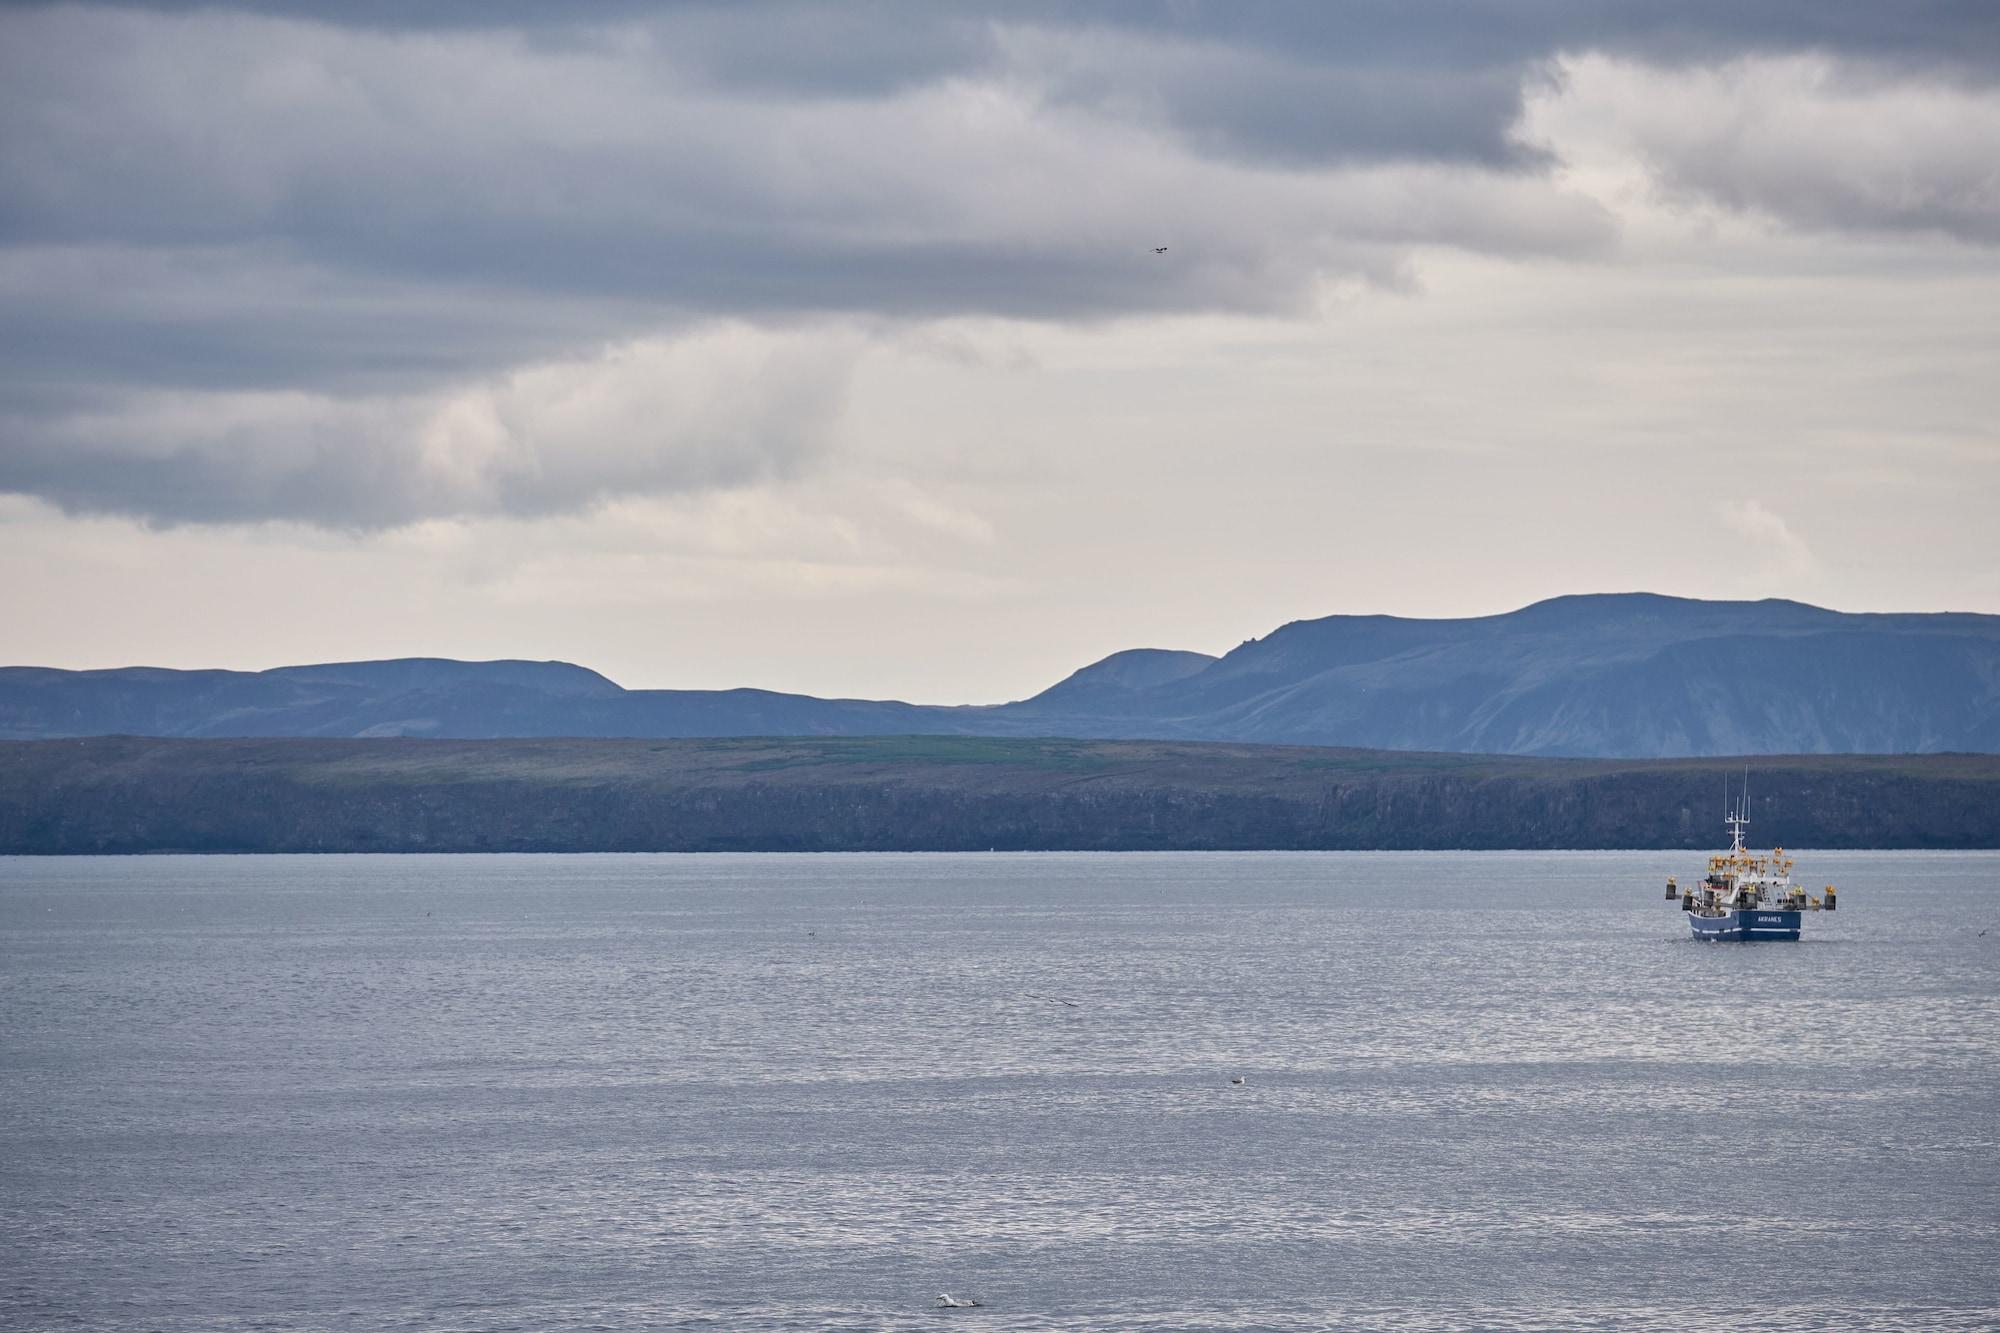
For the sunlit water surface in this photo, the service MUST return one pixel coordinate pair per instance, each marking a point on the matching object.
(623, 1092)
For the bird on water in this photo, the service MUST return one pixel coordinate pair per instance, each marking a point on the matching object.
(951, 1302)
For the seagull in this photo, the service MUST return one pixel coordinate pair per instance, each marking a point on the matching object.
(1237, 1079)
(1159, 249)
(951, 1302)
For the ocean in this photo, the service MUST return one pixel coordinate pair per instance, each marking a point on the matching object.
(1478, 1091)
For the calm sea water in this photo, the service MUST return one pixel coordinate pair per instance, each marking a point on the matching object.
(626, 1092)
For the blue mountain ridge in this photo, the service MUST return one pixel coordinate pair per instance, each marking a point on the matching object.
(1629, 675)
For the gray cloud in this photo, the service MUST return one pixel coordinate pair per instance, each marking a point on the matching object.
(1926, 163)
(308, 207)
(257, 315)
(1238, 101)
(901, 39)
(1372, 78)
(314, 227)
(720, 407)
(1804, 140)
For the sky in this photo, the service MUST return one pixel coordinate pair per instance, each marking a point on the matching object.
(831, 348)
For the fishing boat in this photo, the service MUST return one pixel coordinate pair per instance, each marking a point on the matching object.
(1745, 896)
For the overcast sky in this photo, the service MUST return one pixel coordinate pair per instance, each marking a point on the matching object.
(826, 348)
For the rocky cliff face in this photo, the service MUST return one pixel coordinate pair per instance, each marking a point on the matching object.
(1616, 675)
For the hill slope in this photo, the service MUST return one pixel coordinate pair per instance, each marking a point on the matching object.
(1629, 674)
(1606, 675)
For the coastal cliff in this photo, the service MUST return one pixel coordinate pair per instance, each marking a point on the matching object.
(127, 794)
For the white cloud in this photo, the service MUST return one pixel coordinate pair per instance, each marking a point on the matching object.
(725, 406)
(1803, 140)
(1775, 554)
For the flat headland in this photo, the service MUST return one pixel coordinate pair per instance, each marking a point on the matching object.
(122, 794)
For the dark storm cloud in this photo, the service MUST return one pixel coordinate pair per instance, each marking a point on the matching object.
(379, 206)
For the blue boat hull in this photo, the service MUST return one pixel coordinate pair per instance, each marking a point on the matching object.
(1755, 925)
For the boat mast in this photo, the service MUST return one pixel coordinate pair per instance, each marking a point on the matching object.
(1741, 819)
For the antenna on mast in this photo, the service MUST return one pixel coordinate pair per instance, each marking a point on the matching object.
(1741, 815)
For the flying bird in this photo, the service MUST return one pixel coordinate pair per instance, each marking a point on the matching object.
(951, 1302)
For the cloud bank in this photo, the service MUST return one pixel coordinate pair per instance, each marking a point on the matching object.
(361, 265)
(714, 409)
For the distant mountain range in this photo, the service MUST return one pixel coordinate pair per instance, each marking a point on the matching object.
(1613, 675)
